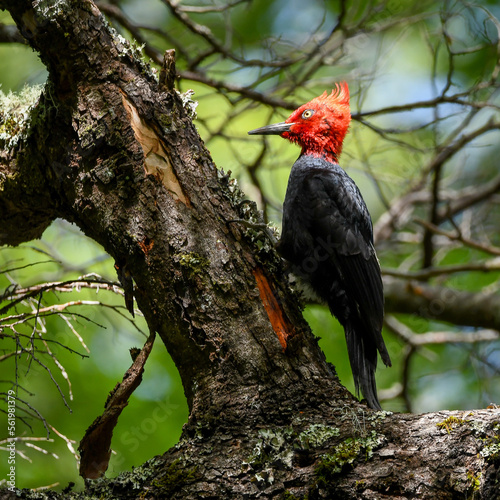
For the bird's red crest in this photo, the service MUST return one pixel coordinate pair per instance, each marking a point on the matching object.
(321, 125)
(338, 97)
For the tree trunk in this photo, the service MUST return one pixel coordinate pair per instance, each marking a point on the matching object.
(111, 150)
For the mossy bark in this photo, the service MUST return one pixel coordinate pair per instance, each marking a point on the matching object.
(112, 151)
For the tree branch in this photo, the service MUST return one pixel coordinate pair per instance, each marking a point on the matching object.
(95, 447)
(480, 310)
(432, 272)
(423, 339)
(457, 236)
(10, 34)
(467, 198)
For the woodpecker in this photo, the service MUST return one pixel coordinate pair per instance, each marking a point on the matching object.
(327, 233)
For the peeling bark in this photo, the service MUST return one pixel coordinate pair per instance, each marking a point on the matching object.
(110, 150)
(95, 447)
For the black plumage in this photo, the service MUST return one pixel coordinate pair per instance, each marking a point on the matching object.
(327, 236)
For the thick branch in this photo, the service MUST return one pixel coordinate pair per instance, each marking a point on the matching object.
(479, 309)
(26, 204)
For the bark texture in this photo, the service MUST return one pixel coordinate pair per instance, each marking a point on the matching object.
(111, 150)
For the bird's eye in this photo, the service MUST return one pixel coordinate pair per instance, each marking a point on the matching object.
(307, 113)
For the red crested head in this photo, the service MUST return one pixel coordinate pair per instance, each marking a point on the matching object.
(319, 126)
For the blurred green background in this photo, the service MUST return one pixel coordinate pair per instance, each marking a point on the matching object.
(400, 66)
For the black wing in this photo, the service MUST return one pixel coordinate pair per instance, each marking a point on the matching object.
(339, 218)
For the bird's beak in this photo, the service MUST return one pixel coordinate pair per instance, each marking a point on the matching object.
(274, 129)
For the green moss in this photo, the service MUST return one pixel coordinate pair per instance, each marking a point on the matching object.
(451, 422)
(128, 483)
(193, 263)
(360, 485)
(165, 121)
(287, 495)
(473, 482)
(175, 476)
(343, 456)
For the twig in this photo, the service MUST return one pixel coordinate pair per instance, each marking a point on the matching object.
(17, 295)
(432, 272)
(436, 337)
(467, 198)
(458, 237)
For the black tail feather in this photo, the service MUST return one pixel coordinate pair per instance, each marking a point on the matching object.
(362, 352)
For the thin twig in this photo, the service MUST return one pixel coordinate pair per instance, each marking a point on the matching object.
(458, 237)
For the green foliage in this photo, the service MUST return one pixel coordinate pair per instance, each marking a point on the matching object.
(89, 344)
